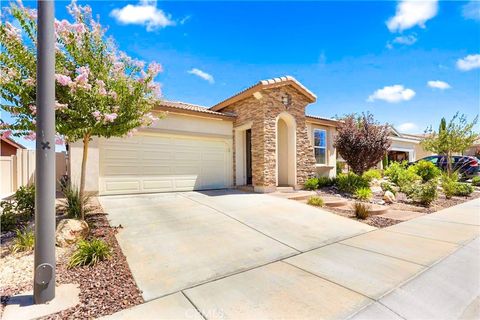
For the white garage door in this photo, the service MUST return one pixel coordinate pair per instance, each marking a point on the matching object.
(160, 163)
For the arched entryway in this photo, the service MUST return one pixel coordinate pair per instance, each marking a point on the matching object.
(285, 150)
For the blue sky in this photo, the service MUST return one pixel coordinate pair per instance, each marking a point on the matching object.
(376, 56)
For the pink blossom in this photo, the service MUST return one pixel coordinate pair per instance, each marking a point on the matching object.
(33, 109)
(31, 136)
(60, 106)
(79, 28)
(84, 70)
(138, 63)
(131, 132)
(154, 68)
(113, 94)
(6, 134)
(29, 81)
(12, 32)
(156, 88)
(101, 87)
(97, 115)
(63, 79)
(118, 67)
(110, 117)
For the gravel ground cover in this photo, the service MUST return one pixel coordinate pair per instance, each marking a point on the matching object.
(105, 288)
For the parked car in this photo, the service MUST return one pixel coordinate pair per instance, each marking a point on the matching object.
(467, 166)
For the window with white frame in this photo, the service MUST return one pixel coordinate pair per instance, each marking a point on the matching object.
(320, 145)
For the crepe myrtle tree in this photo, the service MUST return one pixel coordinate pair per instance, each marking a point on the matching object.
(361, 141)
(100, 91)
(455, 137)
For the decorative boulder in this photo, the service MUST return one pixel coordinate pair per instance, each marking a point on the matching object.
(389, 197)
(69, 231)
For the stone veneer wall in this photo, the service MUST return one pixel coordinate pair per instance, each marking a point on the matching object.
(263, 114)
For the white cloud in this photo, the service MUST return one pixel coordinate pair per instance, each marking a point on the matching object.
(471, 10)
(406, 40)
(437, 84)
(472, 61)
(145, 13)
(392, 94)
(411, 13)
(202, 74)
(407, 127)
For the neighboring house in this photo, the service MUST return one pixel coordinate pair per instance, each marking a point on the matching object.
(8, 147)
(260, 136)
(406, 147)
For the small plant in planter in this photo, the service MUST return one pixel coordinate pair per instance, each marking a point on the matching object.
(463, 189)
(362, 210)
(424, 193)
(372, 174)
(363, 194)
(425, 170)
(24, 241)
(311, 183)
(89, 253)
(74, 202)
(350, 182)
(476, 181)
(387, 186)
(315, 201)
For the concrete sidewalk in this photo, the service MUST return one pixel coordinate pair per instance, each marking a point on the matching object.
(425, 268)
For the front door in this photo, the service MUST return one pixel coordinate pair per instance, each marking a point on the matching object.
(248, 155)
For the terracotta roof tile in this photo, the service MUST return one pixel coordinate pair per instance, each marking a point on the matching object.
(192, 107)
(265, 83)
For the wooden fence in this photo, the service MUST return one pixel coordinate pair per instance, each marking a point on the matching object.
(19, 170)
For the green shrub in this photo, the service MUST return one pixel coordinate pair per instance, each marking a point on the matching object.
(311, 184)
(350, 182)
(463, 189)
(407, 180)
(387, 186)
(25, 201)
(24, 241)
(476, 181)
(363, 194)
(315, 201)
(325, 182)
(425, 170)
(424, 193)
(448, 183)
(89, 253)
(362, 210)
(340, 167)
(8, 218)
(394, 170)
(372, 174)
(73, 203)
(19, 209)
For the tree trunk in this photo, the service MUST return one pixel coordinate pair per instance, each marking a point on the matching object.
(86, 140)
(449, 164)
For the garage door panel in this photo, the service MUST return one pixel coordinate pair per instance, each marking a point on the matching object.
(122, 186)
(163, 163)
(158, 185)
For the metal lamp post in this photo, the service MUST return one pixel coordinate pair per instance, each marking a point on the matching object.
(44, 276)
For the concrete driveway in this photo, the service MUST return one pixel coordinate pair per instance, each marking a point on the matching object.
(175, 241)
(293, 261)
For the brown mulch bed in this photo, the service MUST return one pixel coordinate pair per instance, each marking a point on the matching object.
(105, 288)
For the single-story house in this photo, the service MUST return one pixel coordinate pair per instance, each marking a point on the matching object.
(9, 147)
(260, 136)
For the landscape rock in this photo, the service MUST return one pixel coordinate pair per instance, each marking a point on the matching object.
(389, 197)
(376, 189)
(70, 231)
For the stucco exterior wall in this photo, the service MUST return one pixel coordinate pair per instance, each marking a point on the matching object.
(172, 123)
(330, 168)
